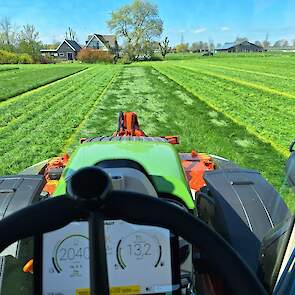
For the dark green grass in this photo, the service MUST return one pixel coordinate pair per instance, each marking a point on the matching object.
(165, 108)
(18, 81)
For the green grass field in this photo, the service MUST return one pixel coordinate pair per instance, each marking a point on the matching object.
(17, 80)
(241, 108)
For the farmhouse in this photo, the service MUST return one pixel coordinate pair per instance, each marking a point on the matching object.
(103, 43)
(67, 50)
(244, 46)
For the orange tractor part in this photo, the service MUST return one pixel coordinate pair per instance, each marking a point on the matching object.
(194, 164)
(53, 171)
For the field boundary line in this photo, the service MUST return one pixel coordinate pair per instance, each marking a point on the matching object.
(42, 86)
(250, 130)
(71, 139)
(240, 82)
(247, 71)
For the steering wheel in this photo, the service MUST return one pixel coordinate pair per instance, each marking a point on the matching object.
(90, 195)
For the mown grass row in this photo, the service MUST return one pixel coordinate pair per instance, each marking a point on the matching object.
(269, 83)
(18, 81)
(47, 118)
(166, 108)
(268, 116)
(271, 64)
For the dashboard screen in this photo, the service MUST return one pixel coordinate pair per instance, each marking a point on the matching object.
(138, 259)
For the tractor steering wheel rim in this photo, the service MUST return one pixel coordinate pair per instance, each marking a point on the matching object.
(57, 212)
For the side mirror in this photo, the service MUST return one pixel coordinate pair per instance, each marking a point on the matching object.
(290, 166)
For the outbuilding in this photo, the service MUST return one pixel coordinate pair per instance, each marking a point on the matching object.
(244, 46)
(67, 50)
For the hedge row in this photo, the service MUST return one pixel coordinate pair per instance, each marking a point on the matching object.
(7, 57)
(89, 55)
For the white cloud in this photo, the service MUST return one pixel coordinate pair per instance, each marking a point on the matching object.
(225, 29)
(199, 30)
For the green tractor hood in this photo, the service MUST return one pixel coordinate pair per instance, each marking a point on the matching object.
(160, 160)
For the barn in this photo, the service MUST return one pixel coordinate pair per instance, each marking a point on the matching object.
(244, 46)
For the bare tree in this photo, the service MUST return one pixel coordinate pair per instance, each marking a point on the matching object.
(266, 42)
(241, 39)
(71, 34)
(8, 35)
(211, 45)
(28, 42)
(258, 43)
(195, 47)
(164, 47)
(281, 43)
(285, 43)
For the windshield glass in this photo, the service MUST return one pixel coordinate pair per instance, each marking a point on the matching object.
(192, 102)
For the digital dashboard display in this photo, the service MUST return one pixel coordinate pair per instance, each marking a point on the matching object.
(138, 259)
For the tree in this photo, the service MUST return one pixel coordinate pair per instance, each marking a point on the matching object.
(195, 47)
(211, 45)
(205, 46)
(294, 43)
(28, 42)
(164, 47)
(285, 43)
(8, 35)
(138, 24)
(241, 39)
(71, 34)
(266, 43)
(258, 43)
(181, 48)
(53, 45)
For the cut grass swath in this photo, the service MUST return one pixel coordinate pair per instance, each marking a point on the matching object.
(230, 77)
(13, 83)
(267, 118)
(166, 108)
(42, 134)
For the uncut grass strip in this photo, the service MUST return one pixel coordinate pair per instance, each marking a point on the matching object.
(55, 83)
(280, 149)
(37, 121)
(43, 104)
(73, 137)
(242, 82)
(36, 86)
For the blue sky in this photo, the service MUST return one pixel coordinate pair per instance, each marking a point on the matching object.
(197, 20)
